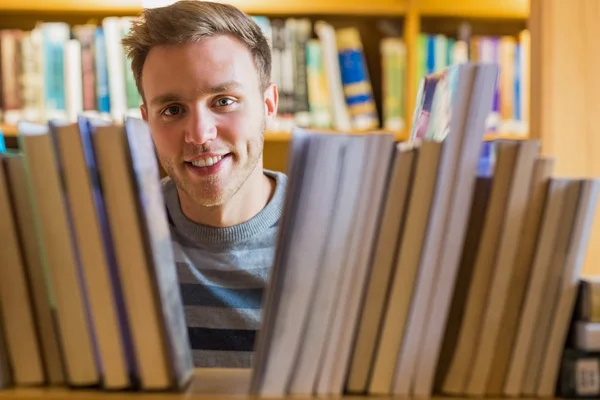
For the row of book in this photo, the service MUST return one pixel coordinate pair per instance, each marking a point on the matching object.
(89, 295)
(510, 108)
(58, 71)
(401, 269)
(55, 71)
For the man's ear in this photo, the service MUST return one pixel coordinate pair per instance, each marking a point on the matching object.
(144, 112)
(271, 102)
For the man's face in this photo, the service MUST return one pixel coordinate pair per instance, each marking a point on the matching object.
(207, 114)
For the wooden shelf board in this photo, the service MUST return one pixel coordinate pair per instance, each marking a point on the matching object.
(325, 7)
(8, 130)
(207, 384)
(72, 6)
(256, 7)
(11, 131)
(493, 9)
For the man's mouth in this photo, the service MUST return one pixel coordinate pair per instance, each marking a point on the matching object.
(208, 165)
(207, 162)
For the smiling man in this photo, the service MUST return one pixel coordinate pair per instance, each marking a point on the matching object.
(203, 72)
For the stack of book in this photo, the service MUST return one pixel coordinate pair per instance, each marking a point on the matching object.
(404, 269)
(88, 288)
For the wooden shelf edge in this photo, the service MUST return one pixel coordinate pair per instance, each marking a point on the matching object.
(11, 131)
(256, 7)
(485, 9)
(206, 383)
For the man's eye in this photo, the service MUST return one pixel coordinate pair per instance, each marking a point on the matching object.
(224, 102)
(172, 110)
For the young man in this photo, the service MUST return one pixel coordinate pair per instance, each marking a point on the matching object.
(203, 71)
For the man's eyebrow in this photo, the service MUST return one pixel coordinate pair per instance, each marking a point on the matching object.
(165, 98)
(223, 87)
(173, 97)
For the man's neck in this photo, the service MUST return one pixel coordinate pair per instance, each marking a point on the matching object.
(249, 200)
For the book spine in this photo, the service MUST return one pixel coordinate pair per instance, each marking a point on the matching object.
(355, 80)
(134, 100)
(318, 91)
(441, 52)
(73, 79)
(331, 65)
(301, 33)
(56, 34)
(431, 54)
(115, 67)
(393, 54)
(102, 90)
(278, 50)
(85, 35)
(10, 67)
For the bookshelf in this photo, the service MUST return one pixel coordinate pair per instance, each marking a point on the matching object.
(271, 7)
(508, 9)
(407, 18)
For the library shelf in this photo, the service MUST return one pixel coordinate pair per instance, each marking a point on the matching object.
(492, 9)
(268, 7)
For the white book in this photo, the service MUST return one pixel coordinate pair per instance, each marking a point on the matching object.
(371, 206)
(448, 176)
(332, 268)
(73, 79)
(301, 263)
(471, 119)
(115, 64)
(326, 34)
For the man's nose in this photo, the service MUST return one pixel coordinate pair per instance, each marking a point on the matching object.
(202, 127)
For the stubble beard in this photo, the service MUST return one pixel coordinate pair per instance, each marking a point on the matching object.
(213, 192)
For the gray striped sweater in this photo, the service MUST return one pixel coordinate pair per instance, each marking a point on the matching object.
(222, 274)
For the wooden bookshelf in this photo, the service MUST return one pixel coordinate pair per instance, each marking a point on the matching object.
(271, 7)
(10, 131)
(207, 384)
(457, 8)
(487, 9)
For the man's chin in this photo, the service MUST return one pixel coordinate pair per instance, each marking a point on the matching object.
(211, 203)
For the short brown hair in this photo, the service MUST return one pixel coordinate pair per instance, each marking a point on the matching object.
(191, 21)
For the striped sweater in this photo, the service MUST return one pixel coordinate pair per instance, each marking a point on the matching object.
(222, 273)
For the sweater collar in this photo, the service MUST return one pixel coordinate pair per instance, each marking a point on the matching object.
(203, 234)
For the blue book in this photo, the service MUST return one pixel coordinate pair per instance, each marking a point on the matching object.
(517, 100)
(55, 35)
(102, 90)
(86, 128)
(2, 143)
